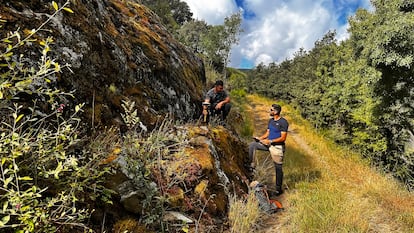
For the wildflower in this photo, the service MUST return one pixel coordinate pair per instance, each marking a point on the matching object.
(60, 109)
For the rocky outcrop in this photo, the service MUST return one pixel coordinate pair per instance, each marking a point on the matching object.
(117, 49)
(197, 181)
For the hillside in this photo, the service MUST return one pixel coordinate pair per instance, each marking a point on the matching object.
(328, 189)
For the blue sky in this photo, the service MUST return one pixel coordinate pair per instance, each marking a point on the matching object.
(275, 29)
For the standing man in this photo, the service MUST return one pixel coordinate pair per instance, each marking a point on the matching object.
(218, 100)
(274, 141)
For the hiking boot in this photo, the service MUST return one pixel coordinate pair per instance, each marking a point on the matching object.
(278, 192)
(273, 193)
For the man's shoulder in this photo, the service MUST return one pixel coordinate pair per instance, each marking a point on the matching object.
(211, 91)
(285, 123)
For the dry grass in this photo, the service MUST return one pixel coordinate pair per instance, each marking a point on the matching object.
(243, 214)
(331, 189)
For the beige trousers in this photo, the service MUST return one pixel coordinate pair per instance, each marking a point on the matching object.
(277, 153)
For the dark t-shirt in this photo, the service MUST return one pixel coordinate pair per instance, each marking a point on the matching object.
(215, 98)
(276, 128)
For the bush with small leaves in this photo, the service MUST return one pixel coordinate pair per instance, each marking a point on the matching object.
(43, 173)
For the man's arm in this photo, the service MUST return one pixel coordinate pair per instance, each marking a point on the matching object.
(264, 136)
(207, 99)
(225, 101)
(282, 138)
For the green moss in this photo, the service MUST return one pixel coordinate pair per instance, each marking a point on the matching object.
(130, 225)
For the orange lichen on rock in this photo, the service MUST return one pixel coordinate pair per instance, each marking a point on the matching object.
(112, 156)
(202, 156)
(201, 188)
(130, 225)
(176, 196)
(122, 7)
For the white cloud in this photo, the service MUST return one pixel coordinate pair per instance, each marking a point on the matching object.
(280, 30)
(212, 11)
(263, 58)
(276, 29)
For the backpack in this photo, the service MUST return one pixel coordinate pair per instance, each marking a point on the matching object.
(265, 204)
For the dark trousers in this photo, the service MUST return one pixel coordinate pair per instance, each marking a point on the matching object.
(279, 176)
(223, 111)
(278, 167)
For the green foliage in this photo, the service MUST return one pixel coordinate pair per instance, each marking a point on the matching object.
(211, 74)
(213, 42)
(191, 34)
(144, 155)
(43, 172)
(219, 40)
(359, 90)
(237, 80)
(43, 178)
(385, 40)
(173, 13)
(18, 77)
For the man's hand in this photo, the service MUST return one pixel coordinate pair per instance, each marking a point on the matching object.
(219, 105)
(265, 142)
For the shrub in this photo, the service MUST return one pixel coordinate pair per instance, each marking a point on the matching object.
(44, 170)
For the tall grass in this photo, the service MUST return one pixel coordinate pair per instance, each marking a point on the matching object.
(347, 195)
(329, 188)
(243, 214)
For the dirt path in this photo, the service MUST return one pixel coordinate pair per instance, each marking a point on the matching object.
(374, 202)
(260, 114)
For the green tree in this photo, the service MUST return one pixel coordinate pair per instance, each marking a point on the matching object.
(191, 35)
(232, 30)
(384, 39)
(180, 11)
(214, 43)
(173, 13)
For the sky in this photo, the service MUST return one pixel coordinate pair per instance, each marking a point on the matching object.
(273, 30)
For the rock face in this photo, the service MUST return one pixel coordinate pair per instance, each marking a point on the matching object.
(116, 49)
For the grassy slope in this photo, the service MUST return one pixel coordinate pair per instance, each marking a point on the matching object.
(329, 189)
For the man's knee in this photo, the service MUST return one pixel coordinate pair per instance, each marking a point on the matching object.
(252, 147)
(227, 107)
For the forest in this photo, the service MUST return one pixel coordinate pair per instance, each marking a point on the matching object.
(358, 91)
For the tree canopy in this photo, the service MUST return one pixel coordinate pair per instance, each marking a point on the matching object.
(359, 90)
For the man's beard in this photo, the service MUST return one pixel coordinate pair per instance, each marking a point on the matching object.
(272, 114)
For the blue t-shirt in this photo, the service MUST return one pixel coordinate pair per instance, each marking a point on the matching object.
(276, 128)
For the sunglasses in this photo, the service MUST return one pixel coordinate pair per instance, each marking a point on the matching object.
(272, 110)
